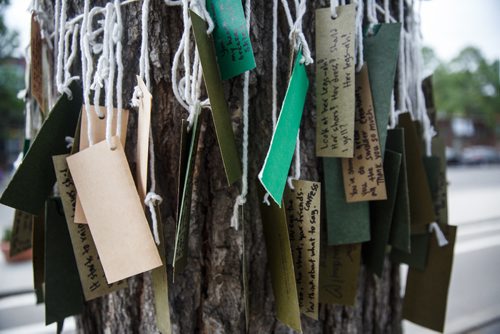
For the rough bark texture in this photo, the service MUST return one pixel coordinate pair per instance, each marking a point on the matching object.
(208, 296)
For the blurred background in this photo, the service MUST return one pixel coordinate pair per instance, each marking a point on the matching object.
(461, 47)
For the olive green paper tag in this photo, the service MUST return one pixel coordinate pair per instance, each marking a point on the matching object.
(182, 231)
(38, 245)
(417, 258)
(335, 82)
(381, 213)
(347, 223)
(33, 181)
(381, 50)
(280, 263)
(339, 273)
(218, 104)
(185, 140)
(441, 199)
(421, 206)
(231, 39)
(364, 173)
(22, 230)
(274, 172)
(63, 292)
(114, 211)
(160, 284)
(303, 205)
(92, 277)
(400, 227)
(426, 293)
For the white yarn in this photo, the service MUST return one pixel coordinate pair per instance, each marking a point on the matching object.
(242, 197)
(85, 56)
(333, 8)
(60, 49)
(440, 237)
(371, 12)
(151, 201)
(296, 34)
(359, 35)
(111, 75)
(200, 7)
(117, 38)
(144, 59)
(275, 64)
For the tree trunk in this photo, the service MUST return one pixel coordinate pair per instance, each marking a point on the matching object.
(208, 296)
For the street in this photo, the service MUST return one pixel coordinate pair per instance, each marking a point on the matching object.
(474, 298)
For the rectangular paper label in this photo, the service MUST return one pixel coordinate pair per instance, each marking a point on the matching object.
(274, 172)
(114, 211)
(36, 75)
(364, 173)
(303, 205)
(215, 90)
(22, 230)
(232, 42)
(98, 127)
(335, 82)
(142, 149)
(89, 265)
(339, 272)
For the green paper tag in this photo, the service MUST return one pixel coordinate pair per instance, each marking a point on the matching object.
(335, 82)
(215, 90)
(419, 250)
(33, 181)
(232, 42)
(280, 263)
(303, 205)
(426, 293)
(63, 291)
(400, 227)
(183, 158)
(38, 243)
(22, 230)
(347, 223)
(274, 172)
(381, 213)
(160, 284)
(441, 199)
(421, 206)
(381, 51)
(182, 232)
(92, 277)
(338, 274)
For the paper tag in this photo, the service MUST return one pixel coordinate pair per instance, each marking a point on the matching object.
(364, 173)
(33, 181)
(441, 199)
(274, 172)
(231, 39)
(421, 207)
(185, 141)
(93, 280)
(182, 232)
(63, 292)
(303, 205)
(419, 250)
(381, 50)
(381, 213)
(142, 148)
(215, 90)
(38, 245)
(347, 223)
(335, 85)
(427, 291)
(280, 263)
(400, 228)
(22, 230)
(114, 211)
(36, 74)
(99, 134)
(160, 284)
(339, 273)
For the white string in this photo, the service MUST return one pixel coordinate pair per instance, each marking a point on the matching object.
(61, 88)
(275, 64)
(440, 237)
(117, 37)
(359, 35)
(144, 59)
(111, 75)
(242, 197)
(296, 34)
(371, 12)
(151, 201)
(333, 8)
(86, 69)
(200, 7)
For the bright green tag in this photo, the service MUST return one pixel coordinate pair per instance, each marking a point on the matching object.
(273, 174)
(33, 181)
(232, 42)
(381, 50)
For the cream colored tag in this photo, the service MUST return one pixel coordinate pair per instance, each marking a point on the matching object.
(142, 150)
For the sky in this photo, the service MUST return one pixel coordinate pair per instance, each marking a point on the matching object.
(447, 25)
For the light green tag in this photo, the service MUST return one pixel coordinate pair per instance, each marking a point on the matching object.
(274, 172)
(232, 42)
(215, 90)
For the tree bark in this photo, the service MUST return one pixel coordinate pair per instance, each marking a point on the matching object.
(208, 296)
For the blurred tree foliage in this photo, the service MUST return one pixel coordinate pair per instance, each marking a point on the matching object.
(468, 85)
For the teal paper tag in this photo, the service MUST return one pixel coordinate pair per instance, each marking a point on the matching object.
(273, 174)
(232, 42)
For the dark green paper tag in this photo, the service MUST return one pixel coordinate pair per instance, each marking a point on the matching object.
(419, 250)
(232, 42)
(33, 181)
